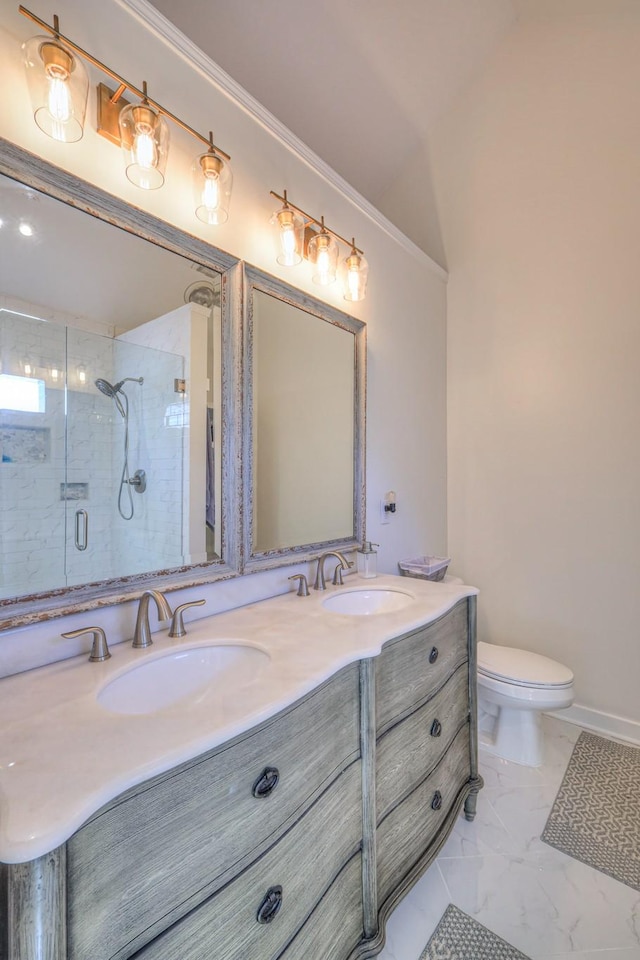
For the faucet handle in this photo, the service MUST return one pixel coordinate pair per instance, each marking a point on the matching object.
(303, 586)
(177, 623)
(99, 649)
(337, 573)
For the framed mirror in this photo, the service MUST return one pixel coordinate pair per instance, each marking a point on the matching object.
(304, 425)
(119, 392)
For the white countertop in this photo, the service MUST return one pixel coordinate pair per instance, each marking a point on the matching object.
(63, 755)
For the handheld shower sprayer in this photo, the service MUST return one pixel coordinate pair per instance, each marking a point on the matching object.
(112, 390)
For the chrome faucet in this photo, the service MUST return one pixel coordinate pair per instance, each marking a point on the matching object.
(320, 581)
(142, 633)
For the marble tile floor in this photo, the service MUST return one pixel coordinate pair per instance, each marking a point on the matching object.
(497, 870)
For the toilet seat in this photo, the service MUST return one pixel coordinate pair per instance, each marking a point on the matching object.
(521, 667)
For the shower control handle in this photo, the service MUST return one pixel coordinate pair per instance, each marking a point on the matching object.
(138, 481)
(82, 529)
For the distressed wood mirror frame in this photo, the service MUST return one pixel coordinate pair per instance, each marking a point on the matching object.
(254, 559)
(34, 172)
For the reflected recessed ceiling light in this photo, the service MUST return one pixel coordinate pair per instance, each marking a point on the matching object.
(26, 229)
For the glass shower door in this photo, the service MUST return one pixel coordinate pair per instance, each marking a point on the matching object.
(124, 482)
(32, 442)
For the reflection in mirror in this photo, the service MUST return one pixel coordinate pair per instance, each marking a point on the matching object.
(110, 400)
(307, 422)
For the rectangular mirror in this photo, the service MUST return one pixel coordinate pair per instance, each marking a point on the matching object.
(305, 422)
(115, 412)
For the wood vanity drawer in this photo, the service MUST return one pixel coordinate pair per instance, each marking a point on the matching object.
(298, 871)
(410, 669)
(407, 831)
(335, 927)
(159, 850)
(411, 749)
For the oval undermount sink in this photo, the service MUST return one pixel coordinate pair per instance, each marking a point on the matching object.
(363, 603)
(182, 675)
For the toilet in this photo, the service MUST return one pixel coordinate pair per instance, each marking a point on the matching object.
(514, 687)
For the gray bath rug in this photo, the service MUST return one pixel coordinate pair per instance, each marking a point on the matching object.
(460, 937)
(596, 816)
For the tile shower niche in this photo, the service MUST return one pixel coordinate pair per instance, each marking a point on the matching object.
(63, 441)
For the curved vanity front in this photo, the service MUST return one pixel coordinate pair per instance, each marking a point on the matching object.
(289, 827)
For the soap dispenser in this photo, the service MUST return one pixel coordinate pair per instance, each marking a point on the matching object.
(367, 560)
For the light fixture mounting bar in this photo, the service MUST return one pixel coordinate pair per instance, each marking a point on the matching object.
(122, 83)
(311, 219)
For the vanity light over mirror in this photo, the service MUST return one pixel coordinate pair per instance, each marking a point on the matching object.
(305, 394)
(112, 412)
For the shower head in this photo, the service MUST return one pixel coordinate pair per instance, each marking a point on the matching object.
(107, 388)
(110, 391)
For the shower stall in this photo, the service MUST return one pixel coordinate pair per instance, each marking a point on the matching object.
(91, 436)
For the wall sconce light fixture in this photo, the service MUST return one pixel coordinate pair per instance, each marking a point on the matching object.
(323, 251)
(58, 84)
(289, 224)
(212, 182)
(299, 235)
(144, 137)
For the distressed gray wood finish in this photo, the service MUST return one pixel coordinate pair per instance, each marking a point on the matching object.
(404, 676)
(36, 909)
(305, 862)
(474, 777)
(334, 929)
(255, 279)
(409, 828)
(37, 173)
(157, 897)
(369, 818)
(151, 857)
(408, 752)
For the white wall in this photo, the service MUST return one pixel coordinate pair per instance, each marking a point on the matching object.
(537, 174)
(405, 307)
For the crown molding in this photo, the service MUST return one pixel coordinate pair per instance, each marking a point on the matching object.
(163, 28)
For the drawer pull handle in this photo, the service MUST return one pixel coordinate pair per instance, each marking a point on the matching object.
(436, 728)
(266, 782)
(270, 905)
(433, 656)
(436, 803)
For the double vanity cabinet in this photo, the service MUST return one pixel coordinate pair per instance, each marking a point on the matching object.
(294, 839)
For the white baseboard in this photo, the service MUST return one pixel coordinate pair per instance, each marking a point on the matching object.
(620, 728)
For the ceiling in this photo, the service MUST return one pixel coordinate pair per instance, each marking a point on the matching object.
(360, 82)
(39, 269)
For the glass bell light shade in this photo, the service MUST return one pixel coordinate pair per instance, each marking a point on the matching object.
(58, 87)
(145, 144)
(323, 253)
(212, 183)
(356, 272)
(289, 228)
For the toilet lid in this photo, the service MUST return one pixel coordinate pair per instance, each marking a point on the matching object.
(521, 666)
